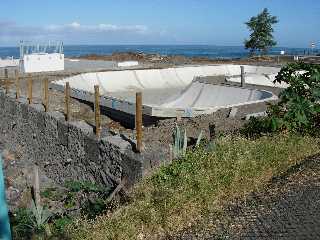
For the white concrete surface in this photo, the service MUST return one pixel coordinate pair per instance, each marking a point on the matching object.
(11, 62)
(172, 91)
(128, 64)
(258, 79)
(115, 81)
(46, 62)
(203, 96)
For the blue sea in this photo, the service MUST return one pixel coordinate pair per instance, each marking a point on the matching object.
(209, 51)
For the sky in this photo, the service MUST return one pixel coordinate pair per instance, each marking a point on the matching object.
(211, 22)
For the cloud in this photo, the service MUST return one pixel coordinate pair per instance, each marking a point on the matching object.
(74, 32)
(77, 27)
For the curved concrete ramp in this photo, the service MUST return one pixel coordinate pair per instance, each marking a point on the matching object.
(206, 96)
(117, 81)
(172, 92)
(200, 98)
(258, 79)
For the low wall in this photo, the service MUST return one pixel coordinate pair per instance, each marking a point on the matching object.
(68, 150)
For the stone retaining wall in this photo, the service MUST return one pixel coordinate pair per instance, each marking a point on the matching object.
(68, 150)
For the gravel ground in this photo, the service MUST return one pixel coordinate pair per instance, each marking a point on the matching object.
(289, 208)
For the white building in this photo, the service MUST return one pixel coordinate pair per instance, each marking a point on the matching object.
(41, 58)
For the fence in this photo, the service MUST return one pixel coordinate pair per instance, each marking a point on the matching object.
(13, 84)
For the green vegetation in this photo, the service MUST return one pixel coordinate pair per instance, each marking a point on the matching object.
(93, 206)
(27, 223)
(261, 38)
(60, 224)
(38, 223)
(51, 193)
(181, 142)
(39, 217)
(201, 182)
(20, 224)
(299, 107)
(85, 186)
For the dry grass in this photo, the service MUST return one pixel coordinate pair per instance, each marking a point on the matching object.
(201, 183)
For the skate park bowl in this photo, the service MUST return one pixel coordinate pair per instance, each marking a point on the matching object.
(172, 92)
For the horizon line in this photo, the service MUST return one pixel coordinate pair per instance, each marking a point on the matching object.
(159, 44)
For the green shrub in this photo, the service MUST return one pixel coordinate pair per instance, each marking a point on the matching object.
(86, 186)
(21, 224)
(299, 107)
(93, 208)
(60, 224)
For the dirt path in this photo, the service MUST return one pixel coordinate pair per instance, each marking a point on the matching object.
(289, 208)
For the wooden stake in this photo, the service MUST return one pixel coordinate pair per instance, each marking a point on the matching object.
(46, 95)
(6, 83)
(36, 186)
(97, 110)
(139, 121)
(243, 80)
(67, 100)
(30, 89)
(17, 84)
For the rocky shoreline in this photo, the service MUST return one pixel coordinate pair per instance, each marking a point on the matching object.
(181, 60)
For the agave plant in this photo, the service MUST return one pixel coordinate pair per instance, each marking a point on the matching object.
(199, 138)
(39, 217)
(181, 142)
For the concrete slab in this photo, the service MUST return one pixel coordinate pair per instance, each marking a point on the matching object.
(172, 92)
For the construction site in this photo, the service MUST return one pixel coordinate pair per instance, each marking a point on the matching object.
(111, 122)
(120, 116)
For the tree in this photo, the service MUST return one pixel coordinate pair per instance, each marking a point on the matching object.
(261, 37)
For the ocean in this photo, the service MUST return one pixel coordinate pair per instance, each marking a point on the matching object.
(209, 51)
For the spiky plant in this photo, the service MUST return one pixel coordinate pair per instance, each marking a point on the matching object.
(39, 217)
(180, 143)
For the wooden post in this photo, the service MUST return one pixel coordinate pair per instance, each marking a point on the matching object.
(46, 94)
(36, 186)
(67, 101)
(212, 131)
(97, 110)
(139, 121)
(6, 80)
(30, 89)
(17, 83)
(243, 80)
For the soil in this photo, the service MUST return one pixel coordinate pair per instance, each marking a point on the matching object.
(180, 60)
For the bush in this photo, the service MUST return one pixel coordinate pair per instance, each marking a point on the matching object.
(21, 224)
(299, 107)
